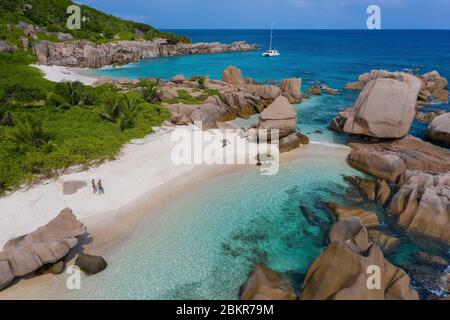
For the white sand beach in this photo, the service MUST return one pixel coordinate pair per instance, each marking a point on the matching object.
(59, 74)
(142, 166)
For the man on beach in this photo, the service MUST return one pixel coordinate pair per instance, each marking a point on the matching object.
(94, 186)
(100, 187)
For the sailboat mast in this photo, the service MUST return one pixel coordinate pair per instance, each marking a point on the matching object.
(271, 33)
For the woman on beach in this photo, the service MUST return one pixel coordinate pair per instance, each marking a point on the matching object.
(94, 186)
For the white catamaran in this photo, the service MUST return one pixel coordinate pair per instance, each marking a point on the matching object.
(271, 52)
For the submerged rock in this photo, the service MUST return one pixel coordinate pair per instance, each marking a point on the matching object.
(46, 245)
(265, 284)
(369, 219)
(386, 242)
(431, 260)
(341, 271)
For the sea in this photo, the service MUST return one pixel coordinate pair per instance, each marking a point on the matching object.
(205, 244)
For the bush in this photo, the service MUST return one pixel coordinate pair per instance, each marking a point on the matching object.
(25, 94)
(150, 90)
(69, 94)
(30, 132)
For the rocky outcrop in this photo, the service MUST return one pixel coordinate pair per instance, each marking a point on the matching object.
(211, 112)
(90, 264)
(385, 108)
(388, 160)
(48, 244)
(293, 141)
(422, 203)
(280, 115)
(428, 116)
(338, 123)
(290, 88)
(7, 47)
(428, 259)
(372, 190)
(433, 85)
(233, 75)
(386, 242)
(368, 219)
(342, 271)
(93, 55)
(265, 284)
(439, 129)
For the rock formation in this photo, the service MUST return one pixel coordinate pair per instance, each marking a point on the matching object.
(265, 284)
(281, 116)
(341, 271)
(422, 203)
(433, 85)
(439, 129)
(7, 47)
(48, 244)
(372, 190)
(388, 160)
(385, 108)
(93, 55)
(368, 219)
(337, 124)
(90, 264)
(233, 75)
(290, 88)
(386, 242)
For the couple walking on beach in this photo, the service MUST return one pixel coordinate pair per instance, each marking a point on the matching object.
(98, 187)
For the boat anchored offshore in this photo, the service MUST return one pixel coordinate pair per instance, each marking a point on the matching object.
(271, 52)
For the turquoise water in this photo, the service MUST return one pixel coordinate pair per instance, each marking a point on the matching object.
(204, 245)
(333, 57)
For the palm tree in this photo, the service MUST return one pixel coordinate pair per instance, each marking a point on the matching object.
(129, 112)
(112, 109)
(150, 91)
(68, 94)
(30, 132)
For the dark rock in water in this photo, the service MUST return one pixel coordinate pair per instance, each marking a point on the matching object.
(434, 284)
(368, 219)
(90, 264)
(309, 216)
(431, 260)
(57, 268)
(266, 284)
(365, 186)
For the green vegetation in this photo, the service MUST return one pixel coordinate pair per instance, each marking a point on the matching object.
(186, 98)
(73, 125)
(52, 14)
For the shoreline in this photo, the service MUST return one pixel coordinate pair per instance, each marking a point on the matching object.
(59, 74)
(110, 229)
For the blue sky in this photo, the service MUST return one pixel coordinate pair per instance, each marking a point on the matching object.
(286, 14)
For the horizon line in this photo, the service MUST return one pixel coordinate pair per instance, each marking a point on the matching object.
(310, 29)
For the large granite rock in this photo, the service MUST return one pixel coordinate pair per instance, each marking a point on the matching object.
(290, 88)
(338, 122)
(422, 203)
(439, 129)
(433, 87)
(95, 55)
(211, 112)
(341, 271)
(46, 245)
(245, 104)
(265, 284)
(389, 159)
(269, 93)
(280, 115)
(233, 75)
(385, 108)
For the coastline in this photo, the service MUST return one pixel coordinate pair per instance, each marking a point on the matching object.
(59, 74)
(110, 229)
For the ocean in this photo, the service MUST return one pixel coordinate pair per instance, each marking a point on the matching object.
(206, 243)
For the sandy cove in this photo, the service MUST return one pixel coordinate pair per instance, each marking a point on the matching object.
(60, 73)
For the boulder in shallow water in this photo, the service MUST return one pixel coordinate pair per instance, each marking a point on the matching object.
(90, 264)
(290, 88)
(422, 203)
(439, 129)
(385, 108)
(369, 219)
(266, 284)
(341, 271)
(280, 115)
